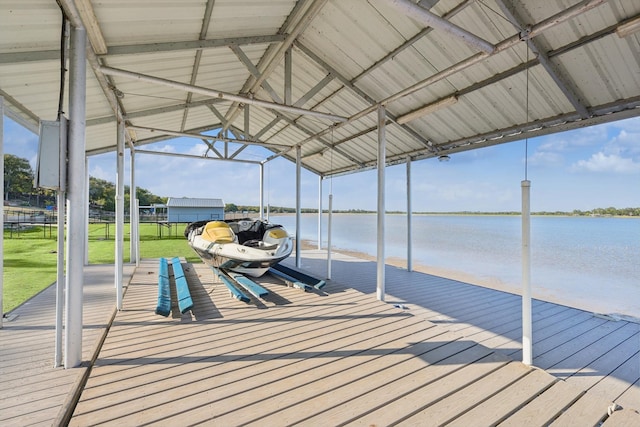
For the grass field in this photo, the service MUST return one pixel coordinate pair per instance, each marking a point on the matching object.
(30, 256)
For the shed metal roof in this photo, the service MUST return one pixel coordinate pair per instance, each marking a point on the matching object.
(187, 202)
(488, 71)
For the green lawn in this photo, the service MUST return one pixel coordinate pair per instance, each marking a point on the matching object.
(30, 255)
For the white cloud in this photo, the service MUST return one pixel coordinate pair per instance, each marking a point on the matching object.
(546, 158)
(601, 162)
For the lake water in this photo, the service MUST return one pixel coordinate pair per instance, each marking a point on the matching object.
(586, 262)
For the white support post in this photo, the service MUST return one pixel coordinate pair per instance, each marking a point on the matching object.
(527, 327)
(2, 216)
(409, 219)
(319, 212)
(329, 230)
(380, 288)
(60, 281)
(86, 210)
(136, 203)
(133, 212)
(119, 244)
(298, 208)
(261, 190)
(76, 199)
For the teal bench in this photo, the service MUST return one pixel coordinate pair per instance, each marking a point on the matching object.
(185, 302)
(164, 293)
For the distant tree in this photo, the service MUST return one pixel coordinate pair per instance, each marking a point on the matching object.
(102, 193)
(230, 207)
(144, 196)
(18, 176)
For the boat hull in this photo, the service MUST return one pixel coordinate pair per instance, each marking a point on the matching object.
(235, 252)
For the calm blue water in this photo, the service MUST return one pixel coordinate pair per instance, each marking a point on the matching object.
(581, 257)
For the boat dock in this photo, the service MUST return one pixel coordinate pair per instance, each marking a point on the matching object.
(437, 352)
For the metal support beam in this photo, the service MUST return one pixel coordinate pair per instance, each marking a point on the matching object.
(137, 49)
(133, 212)
(319, 212)
(192, 156)
(207, 137)
(247, 122)
(76, 199)
(382, 142)
(61, 212)
(527, 328)
(506, 44)
(429, 19)
(351, 86)
(86, 210)
(409, 219)
(119, 244)
(566, 87)
(288, 68)
(1, 216)
(273, 56)
(329, 234)
(261, 190)
(256, 73)
(298, 205)
(196, 62)
(218, 94)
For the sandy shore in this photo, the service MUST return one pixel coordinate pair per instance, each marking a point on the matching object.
(618, 305)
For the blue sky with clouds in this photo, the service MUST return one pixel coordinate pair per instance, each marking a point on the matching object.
(593, 167)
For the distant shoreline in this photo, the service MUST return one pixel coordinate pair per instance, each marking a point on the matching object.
(568, 215)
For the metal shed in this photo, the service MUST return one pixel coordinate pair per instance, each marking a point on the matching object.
(186, 209)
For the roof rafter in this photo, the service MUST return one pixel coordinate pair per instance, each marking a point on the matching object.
(272, 59)
(196, 62)
(563, 83)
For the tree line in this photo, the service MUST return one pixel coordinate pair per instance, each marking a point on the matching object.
(19, 178)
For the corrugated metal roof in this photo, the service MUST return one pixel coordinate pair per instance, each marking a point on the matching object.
(347, 58)
(187, 202)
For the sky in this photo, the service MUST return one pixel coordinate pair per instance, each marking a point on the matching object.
(592, 167)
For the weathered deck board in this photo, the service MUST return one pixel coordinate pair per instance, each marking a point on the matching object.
(572, 342)
(327, 357)
(33, 392)
(446, 410)
(506, 401)
(546, 407)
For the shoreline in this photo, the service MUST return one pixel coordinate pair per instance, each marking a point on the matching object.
(598, 306)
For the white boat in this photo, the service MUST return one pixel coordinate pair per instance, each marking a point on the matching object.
(245, 246)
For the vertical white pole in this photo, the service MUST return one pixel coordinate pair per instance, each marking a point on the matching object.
(133, 214)
(60, 197)
(119, 256)
(261, 190)
(380, 288)
(319, 212)
(527, 327)
(329, 230)
(2, 216)
(76, 199)
(298, 207)
(409, 219)
(137, 227)
(86, 210)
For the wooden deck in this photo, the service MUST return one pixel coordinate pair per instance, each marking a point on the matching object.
(33, 392)
(339, 356)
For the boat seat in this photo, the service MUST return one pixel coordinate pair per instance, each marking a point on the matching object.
(218, 232)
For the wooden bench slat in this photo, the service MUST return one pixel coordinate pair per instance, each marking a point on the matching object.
(185, 302)
(164, 292)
